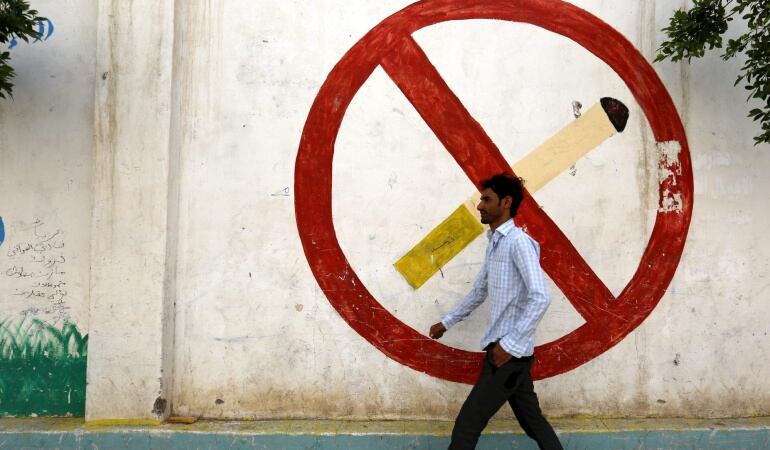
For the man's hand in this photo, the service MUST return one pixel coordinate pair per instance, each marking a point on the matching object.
(499, 355)
(437, 330)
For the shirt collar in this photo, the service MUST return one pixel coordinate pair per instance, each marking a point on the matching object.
(503, 229)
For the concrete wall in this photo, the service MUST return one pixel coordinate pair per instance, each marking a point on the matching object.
(202, 300)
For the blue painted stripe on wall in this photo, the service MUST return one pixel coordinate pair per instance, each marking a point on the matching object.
(2, 231)
(699, 439)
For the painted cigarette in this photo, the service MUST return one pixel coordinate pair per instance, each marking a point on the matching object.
(543, 164)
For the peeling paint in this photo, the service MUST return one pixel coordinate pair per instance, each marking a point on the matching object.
(669, 170)
(670, 202)
(669, 156)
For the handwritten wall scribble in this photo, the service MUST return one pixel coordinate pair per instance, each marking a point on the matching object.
(45, 29)
(36, 266)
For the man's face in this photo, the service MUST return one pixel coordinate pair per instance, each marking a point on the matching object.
(493, 210)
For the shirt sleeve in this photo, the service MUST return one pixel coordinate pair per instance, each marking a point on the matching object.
(472, 300)
(529, 311)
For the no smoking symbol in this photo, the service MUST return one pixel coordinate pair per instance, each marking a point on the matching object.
(607, 319)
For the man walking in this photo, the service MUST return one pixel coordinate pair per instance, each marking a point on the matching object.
(512, 279)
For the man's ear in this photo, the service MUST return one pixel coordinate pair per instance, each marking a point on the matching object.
(507, 202)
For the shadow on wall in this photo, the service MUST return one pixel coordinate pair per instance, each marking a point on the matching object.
(42, 369)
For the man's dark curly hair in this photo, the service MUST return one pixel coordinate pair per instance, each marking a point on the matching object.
(505, 185)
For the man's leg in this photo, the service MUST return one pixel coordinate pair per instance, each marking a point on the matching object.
(485, 399)
(526, 408)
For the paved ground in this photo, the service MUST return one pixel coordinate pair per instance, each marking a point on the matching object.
(576, 433)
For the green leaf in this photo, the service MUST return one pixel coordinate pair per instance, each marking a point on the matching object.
(691, 32)
(17, 20)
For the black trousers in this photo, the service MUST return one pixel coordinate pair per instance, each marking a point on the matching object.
(510, 382)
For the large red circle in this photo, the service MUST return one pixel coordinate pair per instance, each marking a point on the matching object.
(610, 319)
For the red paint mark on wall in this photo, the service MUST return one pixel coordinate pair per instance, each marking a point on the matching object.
(608, 319)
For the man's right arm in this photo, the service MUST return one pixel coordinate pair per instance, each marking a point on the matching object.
(472, 300)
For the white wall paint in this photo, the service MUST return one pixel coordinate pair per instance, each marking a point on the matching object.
(46, 144)
(254, 335)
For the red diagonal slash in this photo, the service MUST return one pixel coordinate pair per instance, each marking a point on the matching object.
(409, 67)
(390, 44)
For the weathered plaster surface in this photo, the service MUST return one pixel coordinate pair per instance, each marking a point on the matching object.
(129, 222)
(200, 293)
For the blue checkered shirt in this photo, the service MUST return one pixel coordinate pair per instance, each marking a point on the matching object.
(512, 279)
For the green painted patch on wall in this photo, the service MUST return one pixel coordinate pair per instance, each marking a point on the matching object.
(42, 369)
